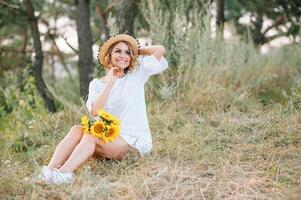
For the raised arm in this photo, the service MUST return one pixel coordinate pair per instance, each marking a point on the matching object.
(101, 100)
(156, 50)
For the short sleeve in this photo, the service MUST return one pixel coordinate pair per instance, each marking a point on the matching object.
(95, 87)
(150, 65)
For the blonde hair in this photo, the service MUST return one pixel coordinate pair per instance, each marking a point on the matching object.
(107, 59)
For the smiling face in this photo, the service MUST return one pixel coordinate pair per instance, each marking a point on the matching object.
(121, 55)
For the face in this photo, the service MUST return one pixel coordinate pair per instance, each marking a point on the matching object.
(120, 56)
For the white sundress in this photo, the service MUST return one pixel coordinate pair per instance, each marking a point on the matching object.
(127, 102)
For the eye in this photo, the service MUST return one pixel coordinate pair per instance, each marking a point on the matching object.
(128, 52)
(117, 51)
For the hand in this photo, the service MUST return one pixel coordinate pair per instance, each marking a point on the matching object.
(114, 73)
(118, 72)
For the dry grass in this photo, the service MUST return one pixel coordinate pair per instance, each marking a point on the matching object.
(197, 155)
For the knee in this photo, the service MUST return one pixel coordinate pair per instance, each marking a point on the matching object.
(87, 138)
(76, 131)
(76, 127)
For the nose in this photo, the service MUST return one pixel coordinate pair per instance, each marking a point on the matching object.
(123, 54)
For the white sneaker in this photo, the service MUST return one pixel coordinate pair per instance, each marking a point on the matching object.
(44, 176)
(58, 177)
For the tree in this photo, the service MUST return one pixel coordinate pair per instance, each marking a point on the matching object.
(102, 10)
(127, 11)
(85, 42)
(38, 61)
(285, 16)
(220, 16)
(12, 49)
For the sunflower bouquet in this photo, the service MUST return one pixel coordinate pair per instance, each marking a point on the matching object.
(107, 128)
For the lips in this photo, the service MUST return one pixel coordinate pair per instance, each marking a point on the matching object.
(121, 61)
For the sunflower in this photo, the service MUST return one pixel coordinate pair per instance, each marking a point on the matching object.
(107, 116)
(85, 118)
(107, 128)
(111, 133)
(85, 123)
(97, 129)
(116, 121)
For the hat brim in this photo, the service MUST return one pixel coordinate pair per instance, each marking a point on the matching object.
(114, 39)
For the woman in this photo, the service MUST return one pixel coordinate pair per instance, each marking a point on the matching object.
(121, 93)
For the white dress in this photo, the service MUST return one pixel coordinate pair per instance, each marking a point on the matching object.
(127, 102)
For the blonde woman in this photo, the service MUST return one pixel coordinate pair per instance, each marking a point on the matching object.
(121, 93)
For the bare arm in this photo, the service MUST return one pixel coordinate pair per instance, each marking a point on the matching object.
(103, 97)
(156, 50)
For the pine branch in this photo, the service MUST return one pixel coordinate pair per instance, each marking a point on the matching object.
(273, 37)
(69, 45)
(280, 20)
(9, 5)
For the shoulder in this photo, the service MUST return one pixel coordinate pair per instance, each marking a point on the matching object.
(97, 82)
(145, 58)
(139, 60)
(151, 60)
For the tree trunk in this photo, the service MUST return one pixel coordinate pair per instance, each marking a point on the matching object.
(38, 61)
(220, 17)
(85, 61)
(257, 35)
(127, 10)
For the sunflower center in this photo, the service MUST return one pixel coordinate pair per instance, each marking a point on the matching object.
(110, 132)
(98, 128)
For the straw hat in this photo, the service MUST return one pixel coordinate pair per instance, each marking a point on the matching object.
(114, 39)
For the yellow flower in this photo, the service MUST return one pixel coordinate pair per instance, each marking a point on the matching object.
(109, 117)
(111, 133)
(85, 119)
(105, 114)
(85, 128)
(116, 122)
(85, 123)
(97, 129)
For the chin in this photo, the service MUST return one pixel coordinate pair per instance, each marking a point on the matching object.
(123, 67)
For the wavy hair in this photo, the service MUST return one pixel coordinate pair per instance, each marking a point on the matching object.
(108, 62)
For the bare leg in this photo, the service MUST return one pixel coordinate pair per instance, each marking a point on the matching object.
(66, 147)
(81, 153)
(89, 145)
(117, 149)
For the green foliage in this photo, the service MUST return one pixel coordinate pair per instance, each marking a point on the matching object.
(25, 143)
(285, 18)
(18, 92)
(5, 107)
(203, 63)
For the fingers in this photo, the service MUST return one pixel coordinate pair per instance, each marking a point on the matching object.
(117, 72)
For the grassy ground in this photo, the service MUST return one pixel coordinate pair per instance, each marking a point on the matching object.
(226, 124)
(203, 149)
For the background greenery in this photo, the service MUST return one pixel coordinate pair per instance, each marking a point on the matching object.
(225, 118)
